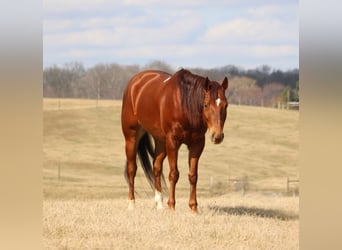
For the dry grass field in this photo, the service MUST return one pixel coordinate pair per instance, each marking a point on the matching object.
(226, 222)
(85, 192)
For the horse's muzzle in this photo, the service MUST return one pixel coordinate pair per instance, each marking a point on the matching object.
(217, 139)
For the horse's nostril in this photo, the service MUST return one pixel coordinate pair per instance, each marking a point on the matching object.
(217, 138)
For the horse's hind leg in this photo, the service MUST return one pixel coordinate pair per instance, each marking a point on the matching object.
(132, 137)
(131, 169)
(160, 154)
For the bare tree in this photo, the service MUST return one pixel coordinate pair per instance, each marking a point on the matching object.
(259, 86)
(159, 65)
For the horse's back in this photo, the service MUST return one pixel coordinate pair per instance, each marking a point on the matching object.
(143, 100)
(148, 76)
(145, 87)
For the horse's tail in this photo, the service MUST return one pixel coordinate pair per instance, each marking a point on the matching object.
(145, 151)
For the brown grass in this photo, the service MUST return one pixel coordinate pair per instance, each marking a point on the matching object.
(86, 207)
(226, 222)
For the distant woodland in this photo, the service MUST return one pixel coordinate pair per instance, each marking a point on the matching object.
(262, 86)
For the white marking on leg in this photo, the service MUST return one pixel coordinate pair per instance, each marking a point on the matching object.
(158, 198)
(218, 101)
(167, 79)
(131, 204)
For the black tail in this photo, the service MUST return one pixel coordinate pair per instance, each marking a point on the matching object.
(145, 151)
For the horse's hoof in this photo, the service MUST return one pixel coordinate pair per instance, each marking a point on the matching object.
(194, 211)
(160, 206)
(131, 205)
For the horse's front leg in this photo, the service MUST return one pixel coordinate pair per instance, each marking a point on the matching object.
(195, 151)
(172, 147)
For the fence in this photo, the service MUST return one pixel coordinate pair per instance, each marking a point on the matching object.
(288, 189)
(68, 104)
(293, 105)
(288, 105)
(244, 184)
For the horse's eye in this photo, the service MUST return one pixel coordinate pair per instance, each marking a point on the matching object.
(205, 105)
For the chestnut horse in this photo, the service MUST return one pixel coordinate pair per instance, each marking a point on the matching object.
(173, 109)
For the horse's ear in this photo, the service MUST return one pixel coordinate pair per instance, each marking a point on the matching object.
(207, 84)
(225, 83)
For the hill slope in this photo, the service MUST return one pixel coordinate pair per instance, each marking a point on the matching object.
(84, 151)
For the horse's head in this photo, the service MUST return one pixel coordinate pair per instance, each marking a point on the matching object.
(215, 109)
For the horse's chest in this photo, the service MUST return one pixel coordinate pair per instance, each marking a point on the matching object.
(190, 137)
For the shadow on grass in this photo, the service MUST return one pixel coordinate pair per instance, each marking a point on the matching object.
(252, 211)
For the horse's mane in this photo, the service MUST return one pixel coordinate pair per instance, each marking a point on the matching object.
(192, 88)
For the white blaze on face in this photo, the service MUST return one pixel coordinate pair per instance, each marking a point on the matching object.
(218, 101)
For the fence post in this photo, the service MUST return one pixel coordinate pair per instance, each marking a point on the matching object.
(288, 181)
(244, 184)
(59, 171)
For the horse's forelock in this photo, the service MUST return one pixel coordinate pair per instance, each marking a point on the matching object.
(214, 89)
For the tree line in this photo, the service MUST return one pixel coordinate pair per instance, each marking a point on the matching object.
(108, 81)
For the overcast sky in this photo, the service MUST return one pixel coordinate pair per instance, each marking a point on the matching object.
(192, 33)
